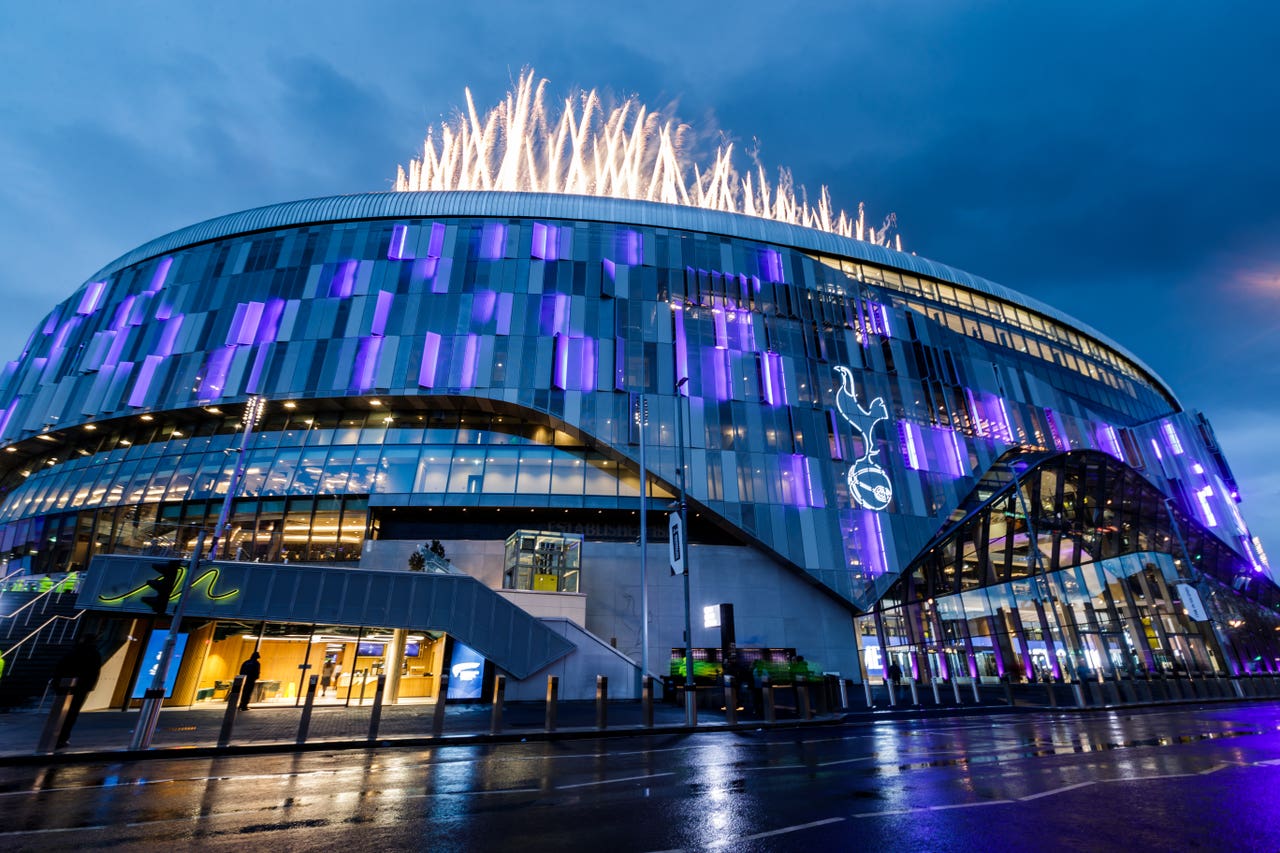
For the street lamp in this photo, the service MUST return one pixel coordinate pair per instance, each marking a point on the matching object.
(690, 693)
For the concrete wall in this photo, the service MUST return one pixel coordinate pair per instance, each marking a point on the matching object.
(549, 605)
(578, 669)
(773, 607)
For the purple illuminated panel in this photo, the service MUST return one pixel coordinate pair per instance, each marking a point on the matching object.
(430, 355)
(837, 443)
(814, 493)
(214, 383)
(381, 311)
(958, 456)
(610, 269)
(682, 351)
(1206, 509)
(868, 539)
(721, 327)
(343, 283)
(397, 249)
(4, 418)
(269, 327)
(560, 363)
(366, 364)
(912, 448)
(1109, 441)
(771, 265)
(1171, 438)
(138, 397)
(628, 248)
(254, 385)
(123, 310)
(482, 307)
(587, 365)
(546, 242)
(92, 297)
(554, 317)
(720, 368)
(493, 241)
(161, 273)
(435, 245)
(1055, 430)
(766, 379)
(244, 325)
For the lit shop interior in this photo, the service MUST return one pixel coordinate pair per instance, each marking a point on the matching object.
(346, 660)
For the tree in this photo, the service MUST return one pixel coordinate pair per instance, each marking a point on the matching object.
(417, 560)
(438, 549)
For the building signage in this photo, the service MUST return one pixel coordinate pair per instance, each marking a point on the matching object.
(1191, 601)
(151, 662)
(675, 544)
(868, 483)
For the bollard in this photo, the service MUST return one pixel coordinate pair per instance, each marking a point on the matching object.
(730, 702)
(891, 688)
(1053, 697)
(1076, 689)
(553, 695)
(148, 717)
(955, 690)
(437, 713)
(375, 714)
(844, 694)
(937, 698)
(57, 716)
(766, 694)
(1008, 692)
(304, 722)
(802, 698)
(915, 692)
(866, 688)
(233, 705)
(977, 697)
(499, 697)
(602, 702)
(646, 701)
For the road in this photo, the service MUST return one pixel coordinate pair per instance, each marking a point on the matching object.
(1192, 778)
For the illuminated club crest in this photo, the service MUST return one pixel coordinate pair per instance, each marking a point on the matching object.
(868, 482)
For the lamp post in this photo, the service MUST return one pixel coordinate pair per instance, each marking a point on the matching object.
(642, 418)
(253, 409)
(690, 694)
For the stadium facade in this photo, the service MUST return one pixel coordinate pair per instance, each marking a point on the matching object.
(887, 458)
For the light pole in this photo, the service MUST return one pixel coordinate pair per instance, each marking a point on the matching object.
(690, 693)
(642, 417)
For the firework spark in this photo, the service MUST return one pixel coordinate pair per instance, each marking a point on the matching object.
(629, 151)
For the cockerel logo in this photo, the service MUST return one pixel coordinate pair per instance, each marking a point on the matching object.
(868, 483)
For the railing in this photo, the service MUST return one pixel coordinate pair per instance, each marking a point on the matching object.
(8, 653)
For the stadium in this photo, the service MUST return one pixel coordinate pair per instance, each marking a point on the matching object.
(423, 421)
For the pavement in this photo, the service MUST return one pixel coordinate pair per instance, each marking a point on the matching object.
(193, 732)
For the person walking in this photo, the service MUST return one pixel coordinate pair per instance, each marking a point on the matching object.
(250, 669)
(83, 663)
(326, 676)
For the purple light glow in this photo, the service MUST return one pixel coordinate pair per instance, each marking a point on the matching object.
(884, 319)
(908, 435)
(610, 269)
(682, 350)
(396, 249)
(766, 379)
(546, 242)
(483, 304)
(560, 362)
(164, 311)
(958, 454)
(366, 363)
(430, 355)
(121, 318)
(269, 327)
(343, 283)
(629, 246)
(720, 370)
(244, 324)
(1055, 431)
(1109, 439)
(493, 241)
(470, 360)
(8, 413)
(381, 311)
(435, 245)
(797, 474)
(816, 498)
(1171, 438)
(771, 265)
(92, 297)
(721, 327)
(837, 444)
(138, 397)
(159, 276)
(1205, 508)
(588, 362)
(215, 373)
(554, 314)
(1156, 447)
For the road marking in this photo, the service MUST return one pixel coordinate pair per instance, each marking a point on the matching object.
(471, 793)
(611, 781)
(1053, 791)
(771, 833)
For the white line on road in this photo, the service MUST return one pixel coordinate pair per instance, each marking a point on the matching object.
(1053, 791)
(612, 781)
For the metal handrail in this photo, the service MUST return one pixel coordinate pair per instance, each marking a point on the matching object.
(6, 654)
(47, 592)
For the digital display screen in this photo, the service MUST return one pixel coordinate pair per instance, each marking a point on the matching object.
(466, 673)
(412, 648)
(151, 663)
(370, 650)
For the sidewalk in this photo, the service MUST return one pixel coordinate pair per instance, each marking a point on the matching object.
(105, 735)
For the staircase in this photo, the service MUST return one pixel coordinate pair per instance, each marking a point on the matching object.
(37, 627)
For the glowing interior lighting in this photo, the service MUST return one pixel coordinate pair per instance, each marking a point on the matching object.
(396, 250)
(630, 151)
(1204, 495)
(1171, 436)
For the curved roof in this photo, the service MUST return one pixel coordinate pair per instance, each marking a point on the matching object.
(394, 205)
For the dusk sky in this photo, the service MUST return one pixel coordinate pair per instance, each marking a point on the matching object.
(1116, 160)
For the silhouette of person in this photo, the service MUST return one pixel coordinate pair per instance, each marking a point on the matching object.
(250, 669)
(83, 663)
